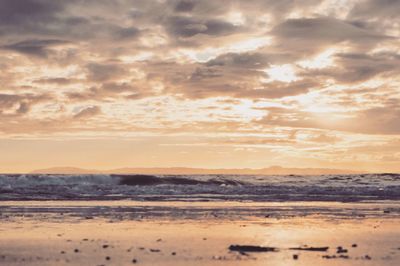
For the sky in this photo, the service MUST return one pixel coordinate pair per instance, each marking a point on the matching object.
(200, 83)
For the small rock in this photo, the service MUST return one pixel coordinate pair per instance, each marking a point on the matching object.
(295, 256)
(108, 258)
(134, 261)
(76, 250)
(173, 253)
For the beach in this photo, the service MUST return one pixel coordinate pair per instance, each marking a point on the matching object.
(200, 132)
(123, 232)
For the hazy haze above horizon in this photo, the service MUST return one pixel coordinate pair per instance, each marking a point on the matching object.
(210, 84)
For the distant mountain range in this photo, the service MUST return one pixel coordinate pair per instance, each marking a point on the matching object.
(273, 170)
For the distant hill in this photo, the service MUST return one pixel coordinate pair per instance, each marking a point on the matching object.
(273, 170)
(65, 170)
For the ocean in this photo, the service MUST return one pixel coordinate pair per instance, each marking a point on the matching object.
(246, 188)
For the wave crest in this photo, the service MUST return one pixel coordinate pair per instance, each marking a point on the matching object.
(147, 180)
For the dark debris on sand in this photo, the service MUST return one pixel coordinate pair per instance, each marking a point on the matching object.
(335, 257)
(341, 250)
(252, 248)
(249, 248)
(320, 249)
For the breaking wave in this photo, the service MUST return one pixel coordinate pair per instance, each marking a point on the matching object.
(200, 187)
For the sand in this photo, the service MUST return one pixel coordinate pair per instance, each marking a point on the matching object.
(201, 233)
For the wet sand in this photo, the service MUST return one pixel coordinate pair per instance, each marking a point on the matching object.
(200, 233)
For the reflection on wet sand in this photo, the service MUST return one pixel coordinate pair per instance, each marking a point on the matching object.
(198, 233)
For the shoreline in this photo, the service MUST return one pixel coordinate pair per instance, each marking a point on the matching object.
(195, 210)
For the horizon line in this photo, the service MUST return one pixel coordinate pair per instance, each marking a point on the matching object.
(180, 170)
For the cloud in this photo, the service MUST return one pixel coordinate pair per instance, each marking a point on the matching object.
(126, 33)
(376, 120)
(56, 80)
(20, 104)
(241, 60)
(88, 112)
(310, 35)
(23, 12)
(109, 90)
(382, 9)
(275, 90)
(180, 26)
(103, 72)
(185, 6)
(201, 73)
(357, 67)
(324, 29)
(39, 48)
(324, 138)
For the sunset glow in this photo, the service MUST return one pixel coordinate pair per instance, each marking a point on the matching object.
(212, 84)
